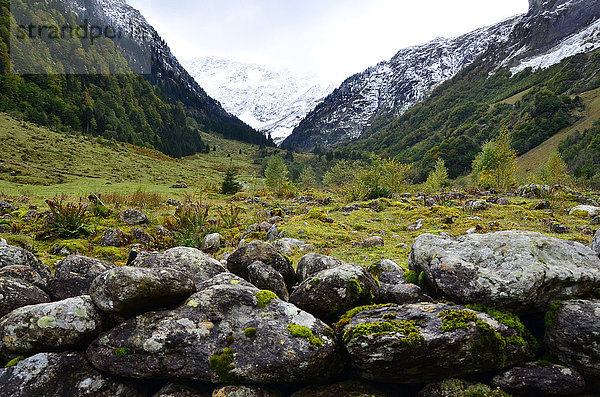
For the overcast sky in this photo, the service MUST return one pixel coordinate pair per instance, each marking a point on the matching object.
(331, 38)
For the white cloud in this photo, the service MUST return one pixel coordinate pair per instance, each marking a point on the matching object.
(333, 38)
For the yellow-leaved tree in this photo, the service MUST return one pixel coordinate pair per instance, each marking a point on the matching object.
(496, 165)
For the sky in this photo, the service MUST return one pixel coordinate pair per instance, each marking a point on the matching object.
(329, 38)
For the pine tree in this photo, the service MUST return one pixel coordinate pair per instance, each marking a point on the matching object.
(438, 178)
(230, 184)
(276, 174)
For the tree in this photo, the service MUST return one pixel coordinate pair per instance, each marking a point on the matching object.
(554, 171)
(276, 174)
(438, 177)
(496, 164)
(230, 184)
(308, 179)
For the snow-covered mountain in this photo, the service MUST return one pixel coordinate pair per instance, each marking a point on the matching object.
(551, 31)
(271, 101)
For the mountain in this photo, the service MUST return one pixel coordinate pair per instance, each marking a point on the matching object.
(271, 101)
(551, 31)
(502, 91)
(163, 108)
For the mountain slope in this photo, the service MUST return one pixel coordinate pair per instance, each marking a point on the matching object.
(550, 32)
(268, 100)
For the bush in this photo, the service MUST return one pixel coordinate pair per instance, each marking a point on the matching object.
(189, 224)
(67, 220)
(276, 174)
(438, 178)
(495, 166)
(554, 171)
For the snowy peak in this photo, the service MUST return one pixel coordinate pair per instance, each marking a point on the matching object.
(271, 101)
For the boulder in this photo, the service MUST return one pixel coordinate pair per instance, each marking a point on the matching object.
(211, 243)
(265, 277)
(15, 293)
(224, 279)
(371, 242)
(15, 256)
(74, 275)
(58, 326)
(190, 261)
(393, 288)
(133, 217)
(595, 246)
(503, 201)
(533, 191)
(140, 235)
(273, 234)
(477, 205)
(573, 336)
(245, 391)
(517, 271)
(534, 379)
(541, 205)
(287, 246)
(62, 374)
(227, 333)
(6, 207)
(183, 389)
(332, 292)
(459, 388)
(113, 238)
(349, 388)
(243, 257)
(314, 263)
(25, 273)
(585, 211)
(385, 266)
(427, 342)
(127, 291)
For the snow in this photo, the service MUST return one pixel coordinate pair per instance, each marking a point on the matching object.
(269, 100)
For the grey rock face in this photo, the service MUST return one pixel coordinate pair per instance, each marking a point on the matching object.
(536, 380)
(15, 293)
(477, 205)
(192, 262)
(393, 288)
(574, 338)
(585, 211)
(62, 374)
(513, 270)
(223, 279)
(287, 246)
(225, 333)
(183, 389)
(15, 256)
(245, 391)
(140, 235)
(25, 273)
(56, 326)
(133, 217)
(211, 243)
(243, 257)
(314, 263)
(332, 292)
(426, 342)
(385, 266)
(74, 275)
(533, 191)
(343, 389)
(596, 243)
(265, 277)
(114, 238)
(127, 291)
(457, 387)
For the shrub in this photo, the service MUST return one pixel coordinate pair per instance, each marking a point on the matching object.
(495, 166)
(189, 224)
(66, 220)
(276, 175)
(554, 171)
(438, 178)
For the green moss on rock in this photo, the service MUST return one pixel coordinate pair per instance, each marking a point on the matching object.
(250, 332)
(409, 334)
(14, 362)
(411, 277)
(265, 297)
(354, 289)
(122, 352)
(300, 331)
(222, 365)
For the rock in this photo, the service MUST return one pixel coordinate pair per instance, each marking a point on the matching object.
(521, 272)
(192, 262)
(60, 250)
(223, 279)
(533, 191)
(127, 291)
(541, 205)
(350, 388)
(418, 225)
(459, 388)
(265, 277)
(275, 220)
(264, 226)
(62, 374)
(573, 336)
(58, 326)
(477, 205)
(30, 216)
(558, 228)
(273, 234)
(503, 201)
(134, 217)
(595, 221)
(287, 246)
(113, 238)
(141, 236)
(183, 389)
(180, 185)
(15, 293)
(243, 257)
(245, 391)
(3, 242)
(393, 288)
(427, 342)
(314, 263)
(74, 275)
(223, 334)
(541, 380)
(385, 266)
(212, 243)
(332, 292)
(15, 256)
(585, 211)
(25, 273)
(595, 246)
(371, 242)
(6, 207)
